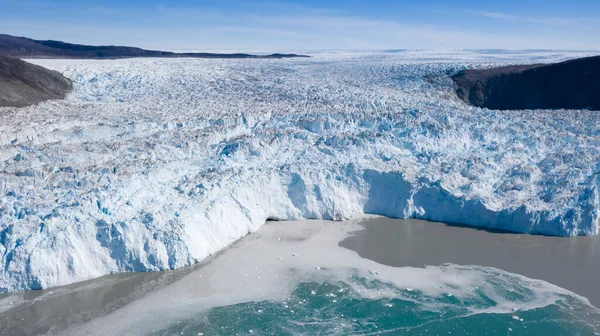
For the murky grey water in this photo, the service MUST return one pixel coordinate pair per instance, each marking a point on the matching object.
(50, 311)
(571, 263)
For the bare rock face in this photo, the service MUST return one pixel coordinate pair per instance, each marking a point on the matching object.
(23, 84)
(573, 84)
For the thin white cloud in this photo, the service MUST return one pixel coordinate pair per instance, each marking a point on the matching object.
(369, 33)
(260, 31)
(284, 7)
(295, 27)
(552, 21)
(495, 15)
(189, 13)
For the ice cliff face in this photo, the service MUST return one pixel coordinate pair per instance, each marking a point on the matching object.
(156, 164)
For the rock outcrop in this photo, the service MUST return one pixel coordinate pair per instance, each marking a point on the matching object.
(573, 84)
(23, 84)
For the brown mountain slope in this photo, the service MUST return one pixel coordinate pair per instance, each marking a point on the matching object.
(23, 84)
(573, 84)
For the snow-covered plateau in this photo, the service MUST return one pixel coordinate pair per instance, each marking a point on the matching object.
(154, 164)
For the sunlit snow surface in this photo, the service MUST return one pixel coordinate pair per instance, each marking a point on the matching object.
(153, 164)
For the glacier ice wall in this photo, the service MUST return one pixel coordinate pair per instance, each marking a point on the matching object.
(156, 164)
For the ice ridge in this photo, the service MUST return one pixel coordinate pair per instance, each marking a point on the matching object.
(156, 164)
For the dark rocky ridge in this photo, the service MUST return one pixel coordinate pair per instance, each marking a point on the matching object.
(23, 84)
(573, 84)
(24, 47)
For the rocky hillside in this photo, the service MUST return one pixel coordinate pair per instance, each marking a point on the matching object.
(23, 84)
(573, 84)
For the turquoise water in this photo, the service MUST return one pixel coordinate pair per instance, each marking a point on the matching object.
(361, 306)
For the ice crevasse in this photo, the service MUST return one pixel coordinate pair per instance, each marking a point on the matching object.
(156, 164)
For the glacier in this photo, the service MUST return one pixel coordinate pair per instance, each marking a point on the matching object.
(155, 164)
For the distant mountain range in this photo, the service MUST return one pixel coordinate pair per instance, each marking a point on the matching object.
(15, 46)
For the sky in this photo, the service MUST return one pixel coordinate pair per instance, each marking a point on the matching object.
(278, 26)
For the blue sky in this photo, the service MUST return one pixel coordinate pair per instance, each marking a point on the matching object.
(301, 25)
